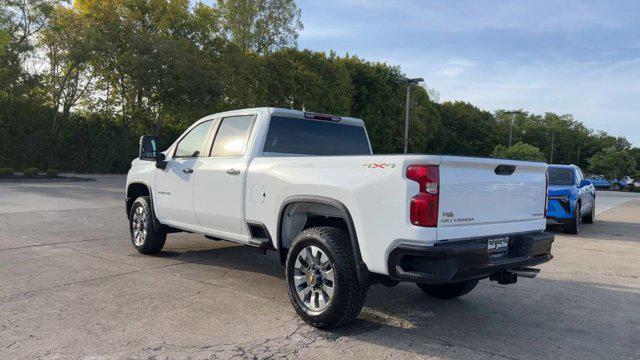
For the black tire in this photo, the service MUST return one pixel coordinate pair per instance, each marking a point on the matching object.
(588, 219)
(449, 291)
(348, 294)
(573, 227)
(147, 240)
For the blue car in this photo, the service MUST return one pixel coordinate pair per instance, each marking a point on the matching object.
(600, 182)
(572, 198)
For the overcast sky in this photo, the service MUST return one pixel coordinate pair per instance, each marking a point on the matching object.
(577, 57)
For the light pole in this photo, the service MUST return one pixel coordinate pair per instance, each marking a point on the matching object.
(553, 140)
(409, 82)
(511, 117)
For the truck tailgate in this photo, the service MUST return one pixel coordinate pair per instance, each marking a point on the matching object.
(480, 196)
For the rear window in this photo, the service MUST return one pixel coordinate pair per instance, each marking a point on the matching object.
(315, 137)
(560, 176)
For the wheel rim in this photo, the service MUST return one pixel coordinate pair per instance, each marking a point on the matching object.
(139, 226)
(314, 278)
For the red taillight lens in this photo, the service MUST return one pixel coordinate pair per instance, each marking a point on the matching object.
(424, 206)
(546, 195)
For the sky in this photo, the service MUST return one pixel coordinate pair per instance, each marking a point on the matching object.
(576, 57)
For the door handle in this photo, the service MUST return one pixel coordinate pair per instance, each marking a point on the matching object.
(187, 171)
(233, 172)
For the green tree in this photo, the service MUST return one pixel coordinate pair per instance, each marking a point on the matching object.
(519, 151)
(67, 44)
(466, 130)
(613, 163)
(635, 152)
(261, 26)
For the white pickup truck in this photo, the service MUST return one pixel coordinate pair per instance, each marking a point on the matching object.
(341, 218)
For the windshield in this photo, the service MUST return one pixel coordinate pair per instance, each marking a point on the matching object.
(315, 137)
(560, 176)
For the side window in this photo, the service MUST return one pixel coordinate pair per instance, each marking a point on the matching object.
(232, 136)
(191, 143)
(579, 175)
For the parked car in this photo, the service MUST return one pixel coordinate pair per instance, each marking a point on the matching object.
(599, 182)
(572, 198)
(623, 183)
(341, 218)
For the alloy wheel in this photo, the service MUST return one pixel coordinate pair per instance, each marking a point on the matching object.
(314, 278)
(139, 226)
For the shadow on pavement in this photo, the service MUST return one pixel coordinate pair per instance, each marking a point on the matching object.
(565, 318)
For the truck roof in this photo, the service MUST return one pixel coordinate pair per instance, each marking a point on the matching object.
(289, 113)
(562, 166)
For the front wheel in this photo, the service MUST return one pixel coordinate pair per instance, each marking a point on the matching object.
(144, 236)
(321, 277)
(449, 291)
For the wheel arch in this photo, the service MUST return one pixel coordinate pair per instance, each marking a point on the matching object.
(136, 189)
(325, 206)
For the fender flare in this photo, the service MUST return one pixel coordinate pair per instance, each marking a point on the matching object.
(156, 223)
(361, 268)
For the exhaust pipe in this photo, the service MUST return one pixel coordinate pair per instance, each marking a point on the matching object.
(506, 277)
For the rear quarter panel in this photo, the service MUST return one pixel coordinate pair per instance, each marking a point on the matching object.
(373, 188)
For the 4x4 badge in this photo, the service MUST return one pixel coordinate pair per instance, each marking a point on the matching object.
(379, 165)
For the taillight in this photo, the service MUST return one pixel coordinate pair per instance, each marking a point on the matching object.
(424, 206)
(546, 195)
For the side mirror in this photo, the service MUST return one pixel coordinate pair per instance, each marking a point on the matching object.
(148, 148)
(161, 163)
(585, 182)
(149, 151)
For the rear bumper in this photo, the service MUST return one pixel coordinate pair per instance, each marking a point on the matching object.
(466, 259)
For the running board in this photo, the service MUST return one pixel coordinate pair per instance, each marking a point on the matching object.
(260, 243)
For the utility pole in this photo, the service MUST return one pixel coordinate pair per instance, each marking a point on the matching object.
(578, 161)
(511, 118)
(553, 139)
(409, 82)
(511, 131)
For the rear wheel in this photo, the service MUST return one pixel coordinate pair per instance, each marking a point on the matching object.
(574, 225)
(144, 236)
(588, 219)
(321, 278)
(449, 291)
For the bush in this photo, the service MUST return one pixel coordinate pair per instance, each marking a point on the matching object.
(52, 173)
(6, 171)
(519, 151)
(30, 172)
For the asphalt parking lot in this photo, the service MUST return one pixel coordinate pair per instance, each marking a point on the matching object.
(71, 286)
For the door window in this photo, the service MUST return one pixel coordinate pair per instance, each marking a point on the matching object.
(579, 176)
(191, 144)
(232, 136)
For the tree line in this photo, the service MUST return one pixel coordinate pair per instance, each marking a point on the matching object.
(80, 82)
